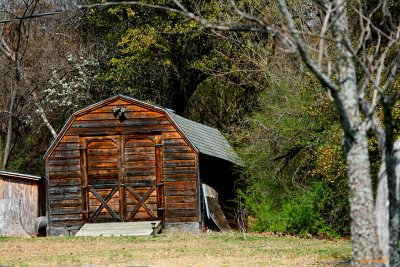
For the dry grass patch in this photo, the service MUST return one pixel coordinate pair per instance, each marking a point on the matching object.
(213, 249)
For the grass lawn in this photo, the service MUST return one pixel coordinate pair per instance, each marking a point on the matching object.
(206, 249)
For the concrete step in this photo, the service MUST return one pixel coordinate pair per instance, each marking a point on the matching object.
(120, 229)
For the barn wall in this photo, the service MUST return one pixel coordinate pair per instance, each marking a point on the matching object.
(26, 191)
(64, 165)
(179, 175)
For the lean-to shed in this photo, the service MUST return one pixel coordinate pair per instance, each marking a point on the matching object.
(125, 160)
(21, 199)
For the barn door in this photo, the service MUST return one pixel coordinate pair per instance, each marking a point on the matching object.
(102, 185)
(140, 178)
(122, 177)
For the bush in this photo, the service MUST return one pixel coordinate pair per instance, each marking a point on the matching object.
(300, 214)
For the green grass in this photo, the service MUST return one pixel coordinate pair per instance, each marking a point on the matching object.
(207, 249)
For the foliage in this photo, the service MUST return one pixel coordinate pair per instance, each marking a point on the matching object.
(295, 175)
(148, 53)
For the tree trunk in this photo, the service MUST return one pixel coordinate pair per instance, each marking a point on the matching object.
(365, 245)
(392, 185)
(382, 202)
(43, 115)
(7, 145)
(382, 212)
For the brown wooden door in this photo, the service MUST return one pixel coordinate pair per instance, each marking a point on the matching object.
(121, 175)
(140, 178)
(103, 182)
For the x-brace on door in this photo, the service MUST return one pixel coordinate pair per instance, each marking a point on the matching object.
(122, 178)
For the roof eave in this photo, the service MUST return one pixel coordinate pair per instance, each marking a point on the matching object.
(20, 175)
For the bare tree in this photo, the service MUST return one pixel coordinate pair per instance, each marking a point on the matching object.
(14, 43)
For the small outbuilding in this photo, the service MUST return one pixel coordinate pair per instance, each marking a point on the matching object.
(21, 203)
(124, 160)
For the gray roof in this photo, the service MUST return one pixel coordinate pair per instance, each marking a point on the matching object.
(207, 140)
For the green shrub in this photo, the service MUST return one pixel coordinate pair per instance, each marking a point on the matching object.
(301, 213)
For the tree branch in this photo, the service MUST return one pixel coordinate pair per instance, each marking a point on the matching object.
(325, 80)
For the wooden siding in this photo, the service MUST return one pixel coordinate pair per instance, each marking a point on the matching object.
(26, 191)
(167, 161)
(179, 175)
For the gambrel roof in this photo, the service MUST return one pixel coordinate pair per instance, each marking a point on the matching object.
(202, 138)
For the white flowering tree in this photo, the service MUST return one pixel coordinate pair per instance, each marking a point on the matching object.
(42, 69)
(69, 86)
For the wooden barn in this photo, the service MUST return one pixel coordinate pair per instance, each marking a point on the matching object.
(124, 160)
(21, 203)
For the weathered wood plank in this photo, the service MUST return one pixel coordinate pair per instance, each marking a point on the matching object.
(65, 154)
(94, 116)
(178, 149)
(63, 162)
(62, 202)
(179, 156)
(64, 218)
(63, 174)
(186, 205)
(135, 172)
(140, 150)
(180, 170)
(171, 135)
(175, 142)
(180, 219)
(64, 168)
(100, 158)
(70, 139)
(64, 189)
(171, 200)
(64, 182)
(147, 164)
(104, 152)
(65, 211)
(140, 178)
(120, 130)
(179, 163)
(117, 123)
(69, 196)
(179, 177)
(102, 143)
(130, 158)
(169, 192)
(101, 165)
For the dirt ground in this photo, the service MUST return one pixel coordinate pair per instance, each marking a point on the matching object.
(207, 249)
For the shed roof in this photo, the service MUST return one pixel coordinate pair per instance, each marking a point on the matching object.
(19, 175)
(205, 139)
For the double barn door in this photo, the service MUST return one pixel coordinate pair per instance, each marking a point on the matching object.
(122, 178)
